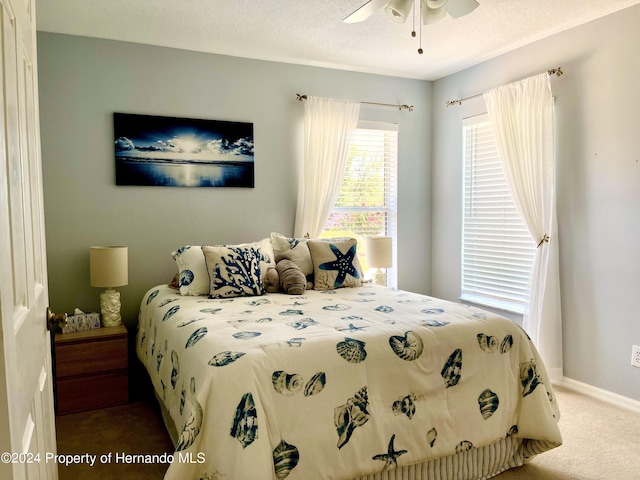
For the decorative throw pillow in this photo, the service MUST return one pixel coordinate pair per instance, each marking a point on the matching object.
(294, 249)
(192, 270)
(233, 271)
(267, 258)
(335, 263)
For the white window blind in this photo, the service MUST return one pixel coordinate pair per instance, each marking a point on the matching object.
(367, 203)
(497, 250)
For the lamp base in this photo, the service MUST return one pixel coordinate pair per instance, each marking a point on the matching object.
(380, 277)
(110, 308)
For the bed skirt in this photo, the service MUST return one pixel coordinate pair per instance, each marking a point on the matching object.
(168, 422)
(478, 463)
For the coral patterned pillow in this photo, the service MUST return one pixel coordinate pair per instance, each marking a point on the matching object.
(233, 271)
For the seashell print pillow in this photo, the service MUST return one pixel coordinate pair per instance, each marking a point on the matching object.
(192, 270)
(335, 263)
(233, 271)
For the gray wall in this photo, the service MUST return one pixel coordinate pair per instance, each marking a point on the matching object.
(82, 81)
(598, 185)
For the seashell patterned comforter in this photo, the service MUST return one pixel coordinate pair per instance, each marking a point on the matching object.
(343, 384)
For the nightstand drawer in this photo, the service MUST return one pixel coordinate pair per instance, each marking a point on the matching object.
(78, 394)
(91, 369)
(91, 357)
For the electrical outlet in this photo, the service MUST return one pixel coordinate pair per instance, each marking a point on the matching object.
(635, 356)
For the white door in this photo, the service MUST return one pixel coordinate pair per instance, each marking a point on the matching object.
(27, 428)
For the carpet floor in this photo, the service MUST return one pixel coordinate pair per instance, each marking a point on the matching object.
(600, 442)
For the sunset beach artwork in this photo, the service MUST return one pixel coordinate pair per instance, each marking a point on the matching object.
(182, 152)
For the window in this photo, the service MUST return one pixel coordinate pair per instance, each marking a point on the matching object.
(367, 202)
(497, 250)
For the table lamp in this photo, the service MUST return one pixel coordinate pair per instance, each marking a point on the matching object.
(109, 269)
(379, 256)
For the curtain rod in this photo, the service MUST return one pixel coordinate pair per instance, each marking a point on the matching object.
(554, 71)
(302, 97)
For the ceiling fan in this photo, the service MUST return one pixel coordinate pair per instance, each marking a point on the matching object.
(430, 10)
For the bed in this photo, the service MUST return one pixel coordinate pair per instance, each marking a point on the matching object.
(363, 382)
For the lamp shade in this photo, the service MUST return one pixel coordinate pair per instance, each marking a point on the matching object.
(379, 254)
(109, 266)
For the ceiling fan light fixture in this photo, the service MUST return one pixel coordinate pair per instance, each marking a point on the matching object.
(430, 11)
(460, 8)
(434, 3)
(432, 15)
(398, 10)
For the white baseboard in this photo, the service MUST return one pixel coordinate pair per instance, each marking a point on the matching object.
(600, 394)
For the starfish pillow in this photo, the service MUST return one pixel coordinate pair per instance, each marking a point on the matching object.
(335, 263)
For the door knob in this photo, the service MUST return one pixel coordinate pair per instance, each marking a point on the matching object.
(55, 320)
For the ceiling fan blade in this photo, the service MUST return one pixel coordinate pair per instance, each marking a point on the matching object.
(365, 11)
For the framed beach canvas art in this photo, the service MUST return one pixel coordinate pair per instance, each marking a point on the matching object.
(182, 152)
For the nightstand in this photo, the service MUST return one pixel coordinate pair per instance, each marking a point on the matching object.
(91, 369)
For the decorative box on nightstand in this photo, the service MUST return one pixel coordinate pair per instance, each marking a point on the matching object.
(91, 369)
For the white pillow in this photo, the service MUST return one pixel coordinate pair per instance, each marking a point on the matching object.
(294, 249)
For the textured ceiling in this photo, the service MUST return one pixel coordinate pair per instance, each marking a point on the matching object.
(311, 32)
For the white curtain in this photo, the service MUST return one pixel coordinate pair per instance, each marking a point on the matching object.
(521, 116)
(329, 125)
